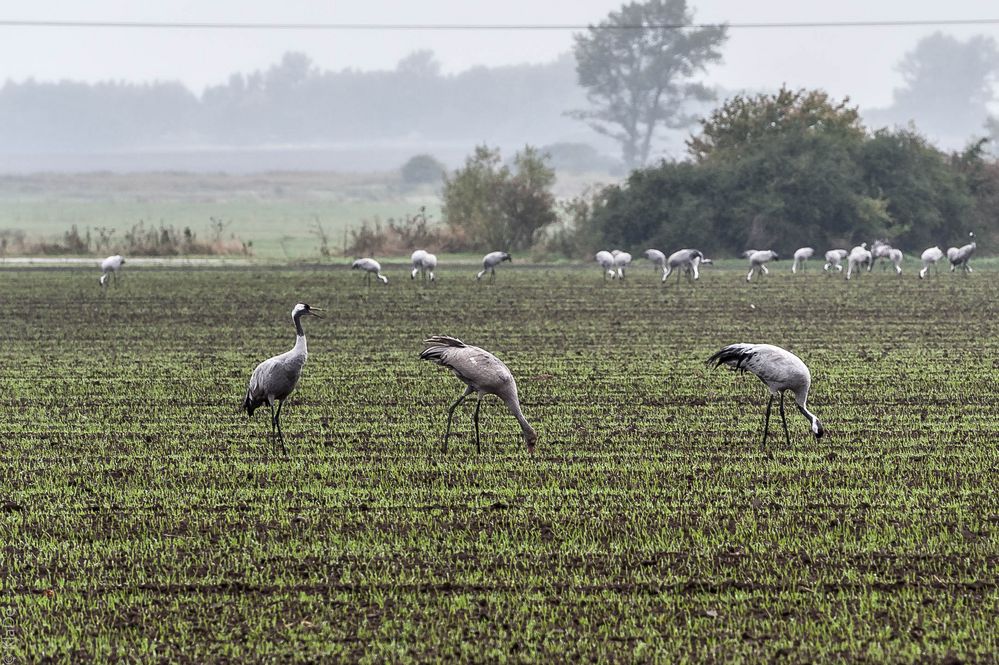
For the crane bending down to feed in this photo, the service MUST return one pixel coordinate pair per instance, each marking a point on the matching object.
(490, 261)
(370, 267)
(621, 261)
(109, 268)
(960, 256)
(275, 378)
(657, 258)
(606, 261)
(879, 250)
(834, 259)
(800, 256)
(929, 258)
(424, 263)
(896, 257)
(859, 256)
(685, 260)
(781, 371)
(758, 260)
(482, 373)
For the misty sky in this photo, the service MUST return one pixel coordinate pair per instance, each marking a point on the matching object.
(859, 62)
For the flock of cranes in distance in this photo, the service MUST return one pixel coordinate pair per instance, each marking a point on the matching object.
(273, 380)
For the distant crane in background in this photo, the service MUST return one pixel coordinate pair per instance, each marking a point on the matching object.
(781, 371)
(879, 250)
(834, 258)
(490, 261)
(758, 260)
(370, 267)
(606, 261)
(657, 258)
(109, 269)
(896, 257)
(800, 256)
(275, 378)
(424, 263)
(686, 260)
(859, 256)
(929, 257)
(482, 373)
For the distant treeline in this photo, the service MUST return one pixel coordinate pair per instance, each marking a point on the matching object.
(295, 102)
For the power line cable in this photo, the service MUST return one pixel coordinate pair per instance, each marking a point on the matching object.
(196, 25)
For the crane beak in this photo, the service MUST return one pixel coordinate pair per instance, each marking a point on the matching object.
(313, 310)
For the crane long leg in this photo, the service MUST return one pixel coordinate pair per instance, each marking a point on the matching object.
(280, 434)
(450, 415)
(766, 420)
(475, 418)
(273, 421)
(783, 419)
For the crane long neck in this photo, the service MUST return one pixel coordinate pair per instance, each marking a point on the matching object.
(300, 344)
(513, 403)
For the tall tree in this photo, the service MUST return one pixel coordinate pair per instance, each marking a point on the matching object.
(637, 67)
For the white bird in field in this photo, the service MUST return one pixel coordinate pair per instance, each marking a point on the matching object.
(896, 257)
(657, 258)
(834, 258)
(275, 378)
(370, 267)
(686, 260)
(424, 263)
(758, 260)
(960, 256)
(490, 261)
(606, 261)
(879, 250)
(800, 256)
(482, 373)
(109, 268)
(621, 261)
(929, 257)
(781, 371)
(859, 256)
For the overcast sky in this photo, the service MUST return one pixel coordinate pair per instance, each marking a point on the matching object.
(859, 62)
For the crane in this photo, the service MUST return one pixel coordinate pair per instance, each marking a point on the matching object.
(275, 378)
(370, 267)
(606, 261)
(758, 260)
(859, 256)
(686, 260)
(780, 370)
(483, 374)
(490, 261)
(960, 256)
(424, 263)
(109, 268)
(621, 261)
(658, 258)
(834, 258)
(929, 257)
(800, 256)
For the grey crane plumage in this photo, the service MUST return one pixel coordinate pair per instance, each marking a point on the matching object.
(879, 250)
(424, 263)
(490, 261)
(483, 374)
(929, 258)
(758, 260)
(109, 269)
(859, 256)
(685, 260)
(657, 258)
(834, 259)
(959, 256)
(621, 261)
(370, 267)
(896, 257)
(606, 261)
(801, 255)
(781, 371)
(276, 378)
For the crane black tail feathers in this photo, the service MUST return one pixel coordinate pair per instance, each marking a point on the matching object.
(734, 355)
(249, 405)
(437, 345)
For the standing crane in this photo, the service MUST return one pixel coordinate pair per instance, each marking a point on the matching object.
(109, 268)
(424, 263)
(370, 267)
(879, 250)
(780, 370)
(275, 378)
(758, 260)
(859, 256)
(606, 261)
(621, 261)
(800, 256)
(960, 256)
(834, 258)
(896, 257)
(686, 260)
(490, 261)
(483, 374)
(929, 257)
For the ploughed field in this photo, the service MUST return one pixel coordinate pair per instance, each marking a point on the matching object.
(144, 517)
